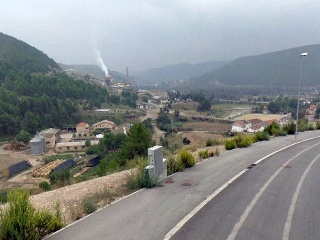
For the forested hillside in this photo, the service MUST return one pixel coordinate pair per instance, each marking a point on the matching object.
(279, 68)
(182, 71)
(36, 102)
(17, 56)
(33, 97)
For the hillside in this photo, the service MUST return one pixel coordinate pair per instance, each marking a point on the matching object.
(182, 71)
(33, 97)
(95, 71)
(17, 55)
(279, 68)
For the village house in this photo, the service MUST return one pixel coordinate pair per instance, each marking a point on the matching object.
(143, 105)
(104, 124)
(238, 126)
(82, 128)
(284, 119)
(250, 126)
(311, 112)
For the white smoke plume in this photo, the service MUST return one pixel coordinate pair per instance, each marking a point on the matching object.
(101, 63)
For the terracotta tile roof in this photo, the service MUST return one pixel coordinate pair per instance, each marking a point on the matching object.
(255, 121)
(239, 124)
(82, 124)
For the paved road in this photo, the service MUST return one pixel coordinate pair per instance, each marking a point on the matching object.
(277, 199)
(152, 213)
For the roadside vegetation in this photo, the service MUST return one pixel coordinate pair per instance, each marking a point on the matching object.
(20, 220)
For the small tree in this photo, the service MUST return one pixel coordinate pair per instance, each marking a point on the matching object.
(88, 143)
(102, 171)
(23, 136)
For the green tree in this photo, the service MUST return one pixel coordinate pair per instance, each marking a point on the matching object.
(30, 122)
(145, 99)
(23, 136)
(148, 124)
(102, 170)
(88, 143)
(138, 141)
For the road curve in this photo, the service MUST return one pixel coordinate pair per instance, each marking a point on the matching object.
(277, 199)
(152, 213)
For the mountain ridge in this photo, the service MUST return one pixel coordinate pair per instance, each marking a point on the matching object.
(20, 56)
(180, 71)
(278, 68)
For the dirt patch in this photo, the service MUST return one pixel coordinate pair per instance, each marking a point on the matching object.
(200, 138)
(70, 197)
(208, 126)
(8, 158)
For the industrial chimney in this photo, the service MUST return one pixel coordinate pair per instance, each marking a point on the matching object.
(128, 80)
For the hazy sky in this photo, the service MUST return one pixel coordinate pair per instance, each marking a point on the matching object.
(142, 34)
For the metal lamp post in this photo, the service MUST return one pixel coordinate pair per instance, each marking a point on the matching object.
(297, 117)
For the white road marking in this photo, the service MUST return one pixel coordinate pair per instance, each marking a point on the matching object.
(201, 205)
(287, 226)
(247, 211)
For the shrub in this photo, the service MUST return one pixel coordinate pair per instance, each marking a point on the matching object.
(272, 128)
(187, 158)
(102, 170)
(89, 205)
(204, 154)
(186, 141)
(290, 128)
(3, 195)
(21, 221)
(209, 142)
(230, 144)
(211, 154)
(262, 136)
(310, 127)
(45, 186)
(243, 141)
(282, 132)
(113, 166)
(217, 152)
(60, 178)
(174, 165)
(23, 136)
(318, 125)
(141, 179)
(213, 142)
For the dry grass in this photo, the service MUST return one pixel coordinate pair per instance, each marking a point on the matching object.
(263, 117)
(208, 126)
(185, 106)
(71, 197)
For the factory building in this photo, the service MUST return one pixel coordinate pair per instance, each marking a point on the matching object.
(51, 136)
(73, 146)
(37, 145)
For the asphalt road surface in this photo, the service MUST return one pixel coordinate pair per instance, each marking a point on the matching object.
(275, 199)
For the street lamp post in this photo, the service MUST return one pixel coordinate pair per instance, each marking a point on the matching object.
(297, 117)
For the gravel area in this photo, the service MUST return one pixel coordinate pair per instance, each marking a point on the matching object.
(70, 197)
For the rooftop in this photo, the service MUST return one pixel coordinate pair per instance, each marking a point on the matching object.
(82, 124)
(49, 133)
